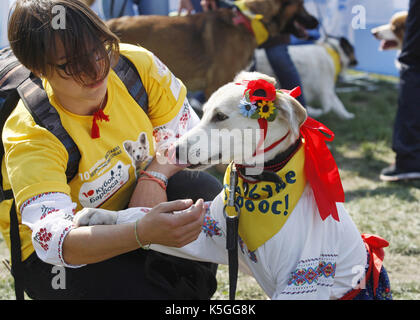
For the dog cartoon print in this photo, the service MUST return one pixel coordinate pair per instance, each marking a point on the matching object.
(138, 150)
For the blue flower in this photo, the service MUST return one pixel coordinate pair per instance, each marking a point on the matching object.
(247, 109)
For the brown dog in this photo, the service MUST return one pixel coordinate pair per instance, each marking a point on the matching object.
(392, 34)
(206, 50)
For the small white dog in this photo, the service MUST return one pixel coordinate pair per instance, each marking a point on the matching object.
(292, 248)
(318, 66)
(138, 150)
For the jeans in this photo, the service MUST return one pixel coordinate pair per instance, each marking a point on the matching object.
(118, 8)
(284, 68)
(406, 137)
(139, 274)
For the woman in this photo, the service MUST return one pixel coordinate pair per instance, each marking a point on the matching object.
(110, 130)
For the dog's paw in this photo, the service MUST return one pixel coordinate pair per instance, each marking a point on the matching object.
(94, 216)
(347, 116)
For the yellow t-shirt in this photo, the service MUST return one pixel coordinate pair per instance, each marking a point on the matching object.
(35, 160)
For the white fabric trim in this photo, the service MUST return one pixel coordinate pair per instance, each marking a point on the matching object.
(50, 217)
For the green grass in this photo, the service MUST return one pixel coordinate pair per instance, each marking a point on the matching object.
(391, 210)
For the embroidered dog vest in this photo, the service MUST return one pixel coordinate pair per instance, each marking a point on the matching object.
(266, 206)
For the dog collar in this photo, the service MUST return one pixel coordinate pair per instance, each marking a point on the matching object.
(335, 56)
(251, 21)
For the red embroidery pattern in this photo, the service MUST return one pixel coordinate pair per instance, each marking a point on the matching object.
(162, 133)
(60, 242)
(184, 118)
(29, 201)
(43, 237)
(46, 211)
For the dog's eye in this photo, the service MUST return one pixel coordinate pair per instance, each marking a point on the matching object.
(219, 116)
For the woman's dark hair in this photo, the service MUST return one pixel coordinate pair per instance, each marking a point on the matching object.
(34, 34)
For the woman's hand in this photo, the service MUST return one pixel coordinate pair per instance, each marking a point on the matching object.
(161, 226)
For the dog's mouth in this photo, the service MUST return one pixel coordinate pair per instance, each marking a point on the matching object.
(389, 44)
(174, 158)
(299, 30)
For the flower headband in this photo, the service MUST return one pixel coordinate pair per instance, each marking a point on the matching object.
(259, 97)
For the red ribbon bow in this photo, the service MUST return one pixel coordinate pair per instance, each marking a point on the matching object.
(321, 169)
(98, 116)
(375, 245)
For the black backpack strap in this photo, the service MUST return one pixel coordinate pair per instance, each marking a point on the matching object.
(44, 114)
(16, 254)
(129, 75)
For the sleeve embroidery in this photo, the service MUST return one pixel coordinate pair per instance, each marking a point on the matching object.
(50, 217)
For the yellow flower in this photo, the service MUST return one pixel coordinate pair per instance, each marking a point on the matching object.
(266, 109)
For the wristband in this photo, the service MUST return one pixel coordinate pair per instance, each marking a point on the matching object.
(159, 182)
(157, 175)
(146, 247)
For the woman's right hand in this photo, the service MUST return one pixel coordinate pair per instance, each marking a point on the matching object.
(162, 226)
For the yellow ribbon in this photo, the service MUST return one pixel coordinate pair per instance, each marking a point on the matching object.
(335, 56)
(266, 206)
(260, 31)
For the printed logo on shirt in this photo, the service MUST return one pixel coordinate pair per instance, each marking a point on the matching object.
(139, 151)
(95, 193)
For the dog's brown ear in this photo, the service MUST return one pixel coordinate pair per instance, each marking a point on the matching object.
(267, 8)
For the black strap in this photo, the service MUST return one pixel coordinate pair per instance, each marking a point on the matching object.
(232, 247)
(128, 74)
(36, 101)
(16, 254)
(232, 224)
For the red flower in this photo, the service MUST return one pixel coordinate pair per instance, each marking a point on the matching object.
(260, 90)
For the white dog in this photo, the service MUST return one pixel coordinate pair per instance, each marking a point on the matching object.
(318, 66)
(292, 248)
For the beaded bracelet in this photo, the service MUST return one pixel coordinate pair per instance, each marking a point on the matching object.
(146, 247)
(154, 177)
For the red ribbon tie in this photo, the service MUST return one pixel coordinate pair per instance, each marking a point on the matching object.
(98, 116)
(321, 169)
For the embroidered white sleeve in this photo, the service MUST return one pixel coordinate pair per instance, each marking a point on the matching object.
(168, 133)
(50, 217)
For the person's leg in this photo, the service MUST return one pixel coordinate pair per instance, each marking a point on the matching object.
(117, 8)
(139, 274)
(193, 185)
(197, 6)
(122, 277)
(284, 68)
(149, 7)
(406, 136)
